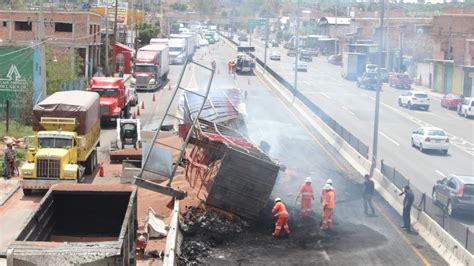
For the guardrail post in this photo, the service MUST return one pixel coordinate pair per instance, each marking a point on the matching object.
(467, 237)
(424, 202)
(444, 215)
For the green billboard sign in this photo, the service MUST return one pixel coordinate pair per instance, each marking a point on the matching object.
(16, 72)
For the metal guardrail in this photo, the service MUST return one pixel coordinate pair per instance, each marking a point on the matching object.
(173, 239)
(358, 145)
(457, 230)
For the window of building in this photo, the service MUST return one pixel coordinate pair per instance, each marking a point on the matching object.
(23, 25)
(91, 29)
(4, 24)
(63, 27)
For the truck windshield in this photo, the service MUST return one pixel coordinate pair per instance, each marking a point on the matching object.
(176, 49)
(55, 142)
(144, 68)
(107, 92)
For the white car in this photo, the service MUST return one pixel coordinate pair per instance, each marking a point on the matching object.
(414, 99)
(301, 66)
(203, 42)
(430, 138)
(275, 55)
(466, 108)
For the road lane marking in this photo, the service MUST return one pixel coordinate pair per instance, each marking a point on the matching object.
(325, 95)
(347, 110)
(389, 138)
(440, 173)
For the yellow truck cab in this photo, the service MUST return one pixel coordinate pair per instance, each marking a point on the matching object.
(63, 149)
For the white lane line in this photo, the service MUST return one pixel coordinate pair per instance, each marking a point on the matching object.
(389, 138)
(347, 110)
(325, 95)
(440, 173)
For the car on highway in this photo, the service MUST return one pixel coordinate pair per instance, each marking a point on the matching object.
(455, 193)
(301, 66)
(275, 55)
(274, 43)
(291, 52)
(451, 101)
(466, 108)
(203, 42)
(400, 81)
(335, 59)
(430, 138)
(133, 96)
(414, 99)
(368, 81)
(305, 56)
(243, 38)
(384, 75)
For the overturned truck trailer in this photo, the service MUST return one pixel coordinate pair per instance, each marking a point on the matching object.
(231, 173)
(79, 224)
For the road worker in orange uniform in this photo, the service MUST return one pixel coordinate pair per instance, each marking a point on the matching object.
(280, 212)
(323, 192)
(307, 196)
(329, 202)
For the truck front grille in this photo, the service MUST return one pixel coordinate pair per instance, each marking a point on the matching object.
(142, 80)
(46, 168)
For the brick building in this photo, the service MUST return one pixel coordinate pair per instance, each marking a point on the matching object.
(62, 30)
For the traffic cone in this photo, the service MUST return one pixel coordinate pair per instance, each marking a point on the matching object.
(143, 104)
(154, 97)
(101, 170)
(138, 111)
(169, 87)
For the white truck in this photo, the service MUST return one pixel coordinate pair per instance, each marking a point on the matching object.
(164, 41)
(191, 42)
(177, 51)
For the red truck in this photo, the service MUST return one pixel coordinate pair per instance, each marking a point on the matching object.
(151, 67)
(114, 98)
(400, 81)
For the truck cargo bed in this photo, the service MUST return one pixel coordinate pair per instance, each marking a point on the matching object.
(79, 224)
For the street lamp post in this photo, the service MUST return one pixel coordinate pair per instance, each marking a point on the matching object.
(297, 48)
(377, 94)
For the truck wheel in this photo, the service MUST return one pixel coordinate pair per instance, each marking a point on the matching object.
(90, 163)
(26, 191)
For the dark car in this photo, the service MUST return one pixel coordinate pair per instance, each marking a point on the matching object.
(305, 56)
(243, 38)
(455, 192)
(368, 81)
(274, 43)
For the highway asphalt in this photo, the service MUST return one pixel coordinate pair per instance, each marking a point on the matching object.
(356, 239)
(353, 108)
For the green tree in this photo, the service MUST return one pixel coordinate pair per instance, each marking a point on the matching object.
(62, 66)
(147, 31)
(179, 7)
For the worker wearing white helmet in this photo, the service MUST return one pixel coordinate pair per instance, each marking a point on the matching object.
(307, 196)
(323, 192)
(329, 202)
(280, 212)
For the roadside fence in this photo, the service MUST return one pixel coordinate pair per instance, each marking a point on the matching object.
(425, 203)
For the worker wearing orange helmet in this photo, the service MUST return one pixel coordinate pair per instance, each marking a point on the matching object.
(307, 196)
(280, 212)
(329, 202)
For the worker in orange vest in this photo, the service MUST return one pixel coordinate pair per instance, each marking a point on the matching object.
(323, 192)
(329, 202)
(307, 196)
(280, 212)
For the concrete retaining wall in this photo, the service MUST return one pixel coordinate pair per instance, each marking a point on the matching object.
(440, 240)
(173, 239)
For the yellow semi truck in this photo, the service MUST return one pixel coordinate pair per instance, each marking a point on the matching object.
(67, 133)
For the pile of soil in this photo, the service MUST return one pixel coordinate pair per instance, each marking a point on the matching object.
(203, 229)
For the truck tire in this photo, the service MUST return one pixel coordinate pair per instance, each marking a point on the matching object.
(90, 166)
(27, 191)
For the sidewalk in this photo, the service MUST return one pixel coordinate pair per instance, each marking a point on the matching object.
(428, 91)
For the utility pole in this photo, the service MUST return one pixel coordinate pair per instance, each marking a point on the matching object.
(377, 94)
(107, 44)
(40, 39)
(115, 37)
(335, 29)
(162, 24)
(267, 27)
(387, 41)
(297, 48)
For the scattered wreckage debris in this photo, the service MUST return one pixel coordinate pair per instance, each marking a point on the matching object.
(205, 228)
(229, 171)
